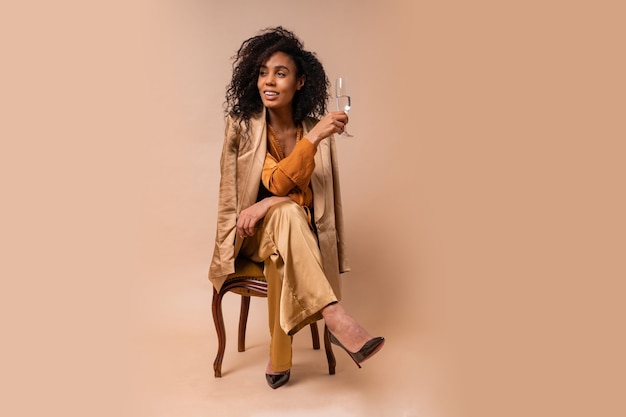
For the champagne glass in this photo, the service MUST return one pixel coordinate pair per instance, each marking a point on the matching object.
(342, 98)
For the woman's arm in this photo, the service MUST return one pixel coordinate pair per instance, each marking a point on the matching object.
(250, 216)
(280, 177)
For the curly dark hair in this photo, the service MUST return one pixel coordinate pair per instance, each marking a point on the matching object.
(242, 96)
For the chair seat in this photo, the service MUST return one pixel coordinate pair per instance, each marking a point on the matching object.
(247, 280)
(248, 269)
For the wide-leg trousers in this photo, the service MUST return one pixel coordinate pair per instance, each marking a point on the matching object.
(297, 287)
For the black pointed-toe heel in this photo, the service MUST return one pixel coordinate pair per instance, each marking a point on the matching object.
(367, 351)
(278, 380)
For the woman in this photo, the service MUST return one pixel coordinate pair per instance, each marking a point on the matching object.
(279, 199)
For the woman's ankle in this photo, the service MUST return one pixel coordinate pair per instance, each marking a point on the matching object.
(345, 328)
(269, 369)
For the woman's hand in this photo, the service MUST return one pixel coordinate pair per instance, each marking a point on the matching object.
(249, 217)
(333, 122)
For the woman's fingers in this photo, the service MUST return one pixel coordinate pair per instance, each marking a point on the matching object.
(340, 116)
(337, 121)
(333, 122)
(241, 227)
(250, 227)
(245, 225)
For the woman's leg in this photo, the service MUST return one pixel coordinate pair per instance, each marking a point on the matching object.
(280, 342)
(298, 290)
(297, 286)
(280, 345)
(292, 255)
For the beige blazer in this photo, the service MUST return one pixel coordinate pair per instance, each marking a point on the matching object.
(241, 166)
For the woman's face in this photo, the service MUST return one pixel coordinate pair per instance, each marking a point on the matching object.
(278, 82)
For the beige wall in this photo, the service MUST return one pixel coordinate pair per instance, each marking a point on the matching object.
(480, 187)
(483, 191)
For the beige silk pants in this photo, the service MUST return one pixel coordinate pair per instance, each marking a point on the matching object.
(297, 287)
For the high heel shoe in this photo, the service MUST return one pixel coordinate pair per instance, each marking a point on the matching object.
(367, 351)
(278, 380)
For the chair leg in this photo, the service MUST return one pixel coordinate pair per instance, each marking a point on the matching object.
(332, 363)
(243, 321)
(315, 335)
(218, 318)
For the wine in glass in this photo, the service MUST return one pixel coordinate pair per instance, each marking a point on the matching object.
(342, 98)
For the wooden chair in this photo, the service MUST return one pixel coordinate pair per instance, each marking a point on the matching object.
(248, 280)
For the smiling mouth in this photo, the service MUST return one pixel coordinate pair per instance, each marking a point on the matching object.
(270, 93)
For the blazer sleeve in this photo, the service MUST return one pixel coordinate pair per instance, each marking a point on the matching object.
(223, 262)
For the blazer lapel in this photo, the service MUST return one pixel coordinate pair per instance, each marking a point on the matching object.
(250, 163)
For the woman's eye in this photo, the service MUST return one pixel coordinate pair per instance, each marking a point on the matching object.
(262, 72)
(281, 74)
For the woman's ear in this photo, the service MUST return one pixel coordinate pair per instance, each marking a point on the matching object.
(301, 81)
